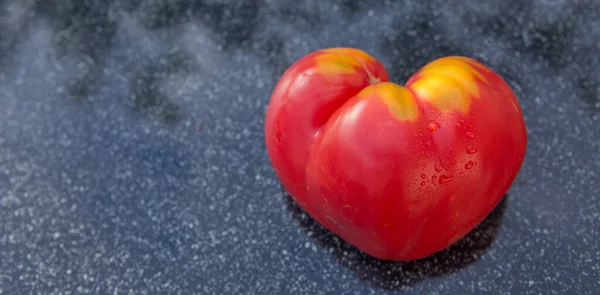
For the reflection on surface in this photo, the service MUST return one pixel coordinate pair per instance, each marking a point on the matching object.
(391, 274)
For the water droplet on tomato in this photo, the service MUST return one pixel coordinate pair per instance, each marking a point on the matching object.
(423, 183)
(469, 165)
(428, 143)
(470, 135)
(452, 162)
(433, 126)
(433, 179)
(429, 155)
(447, 166)
(445, 179)
(439, 165)
(471, 149)
(423, 176)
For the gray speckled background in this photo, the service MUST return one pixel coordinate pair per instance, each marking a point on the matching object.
(132, 158)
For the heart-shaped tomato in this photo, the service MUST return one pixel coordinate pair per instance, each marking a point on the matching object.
(401, 172)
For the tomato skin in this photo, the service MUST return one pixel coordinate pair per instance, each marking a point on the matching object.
(399, 172)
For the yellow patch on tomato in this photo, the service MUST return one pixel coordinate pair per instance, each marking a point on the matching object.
(399, 100)
(450, 83)
(353, 52)
(336, 64)
(361, 56)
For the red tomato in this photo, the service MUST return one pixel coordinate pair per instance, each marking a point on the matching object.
(401, 172)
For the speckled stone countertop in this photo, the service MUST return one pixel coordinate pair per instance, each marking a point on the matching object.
(132, 158)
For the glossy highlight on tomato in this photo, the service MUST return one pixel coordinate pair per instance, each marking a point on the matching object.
(400, 172)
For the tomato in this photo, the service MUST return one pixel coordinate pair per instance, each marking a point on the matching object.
(400, 172)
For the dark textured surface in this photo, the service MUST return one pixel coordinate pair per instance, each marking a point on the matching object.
(132, 158)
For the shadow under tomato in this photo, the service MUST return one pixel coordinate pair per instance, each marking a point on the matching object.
(391, 274)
